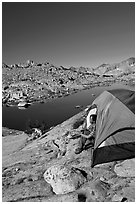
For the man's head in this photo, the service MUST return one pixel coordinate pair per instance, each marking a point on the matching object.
(91, 116)
(90, 121)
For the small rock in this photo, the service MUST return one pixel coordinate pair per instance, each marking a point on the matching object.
(78, 106)
(125, 168)
(27, 180)
(102, 188)
(61, 144)
(22, 104)
(102, 179)
(132, 183)
(64, 179)
(17, 169)
(117, 198)
(35, 178)
(95, 190)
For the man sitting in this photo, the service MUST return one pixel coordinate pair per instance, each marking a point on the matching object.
(89, 129)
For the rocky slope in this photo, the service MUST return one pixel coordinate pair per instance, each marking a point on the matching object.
(47, 169)
(42, 81)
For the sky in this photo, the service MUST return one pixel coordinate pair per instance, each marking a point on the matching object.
(68, 33)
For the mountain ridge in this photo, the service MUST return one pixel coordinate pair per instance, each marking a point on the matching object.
(42, 81)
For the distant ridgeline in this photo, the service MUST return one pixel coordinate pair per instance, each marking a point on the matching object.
(124, 66)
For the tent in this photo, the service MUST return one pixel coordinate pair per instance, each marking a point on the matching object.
(115, 126)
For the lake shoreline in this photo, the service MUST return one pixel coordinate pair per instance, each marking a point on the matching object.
(43, 98)
(78, 91)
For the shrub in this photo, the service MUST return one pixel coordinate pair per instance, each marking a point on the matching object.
(78, 122)
(31, 125)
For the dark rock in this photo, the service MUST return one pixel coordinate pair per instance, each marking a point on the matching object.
(82, 197)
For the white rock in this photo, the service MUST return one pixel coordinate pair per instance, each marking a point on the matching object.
(64, 179)
(22, 104)
(117, 198)
(125, 168)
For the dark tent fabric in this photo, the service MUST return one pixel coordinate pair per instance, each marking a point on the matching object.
(115, 126)
(113, 153)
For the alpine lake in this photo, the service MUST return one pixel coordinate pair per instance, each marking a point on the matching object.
(55, 111)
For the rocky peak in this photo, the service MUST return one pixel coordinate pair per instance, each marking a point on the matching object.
(30, 62)
(130, 61)
(4, 65)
